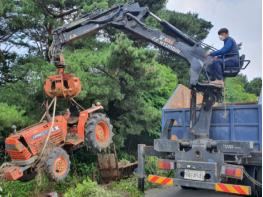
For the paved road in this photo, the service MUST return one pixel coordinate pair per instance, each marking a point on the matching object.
(177, 191)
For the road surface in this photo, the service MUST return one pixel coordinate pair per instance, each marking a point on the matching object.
(177, 191)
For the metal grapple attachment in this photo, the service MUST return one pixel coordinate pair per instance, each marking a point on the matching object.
(62, 85)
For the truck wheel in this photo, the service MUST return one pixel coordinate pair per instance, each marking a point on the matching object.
(141, 183)
(57, 164)
(98, 131)
(255, 173)
(259, 179)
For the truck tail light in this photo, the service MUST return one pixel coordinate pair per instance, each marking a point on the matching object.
(232, 171)
(165, 164)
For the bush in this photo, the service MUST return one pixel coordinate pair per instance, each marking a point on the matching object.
(127, 186)
(235, 91)
(89, 188)
(126, 156)
(10, 115)
(83, 170)
(24, 189)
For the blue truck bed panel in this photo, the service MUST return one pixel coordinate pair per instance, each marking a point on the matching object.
(233, 123)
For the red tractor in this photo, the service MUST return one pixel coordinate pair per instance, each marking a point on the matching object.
(47, 143)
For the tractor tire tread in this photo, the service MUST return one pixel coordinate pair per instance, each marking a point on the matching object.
(90, 127)
(53, 154)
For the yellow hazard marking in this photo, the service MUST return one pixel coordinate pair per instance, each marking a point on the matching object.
(160, 180)
(234, 189)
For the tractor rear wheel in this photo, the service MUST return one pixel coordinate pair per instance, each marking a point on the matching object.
(57, 164)
(98, 132)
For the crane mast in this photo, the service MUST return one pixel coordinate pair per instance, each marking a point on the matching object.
(129, 18)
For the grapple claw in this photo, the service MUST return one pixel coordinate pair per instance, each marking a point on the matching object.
(62, 85)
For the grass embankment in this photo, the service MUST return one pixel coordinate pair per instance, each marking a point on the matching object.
(79, 184)
(71, 187)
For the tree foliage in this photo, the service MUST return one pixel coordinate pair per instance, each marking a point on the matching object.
(127, 81)
(254, 86)
(128, 78)
(10, 115)
(235, 90)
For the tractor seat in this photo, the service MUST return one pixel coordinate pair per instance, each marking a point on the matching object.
(73, 120)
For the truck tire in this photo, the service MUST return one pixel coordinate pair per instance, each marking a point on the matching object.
(141, 183)
(259, 179)
(255, 173)
(57, 164)
(98, 132)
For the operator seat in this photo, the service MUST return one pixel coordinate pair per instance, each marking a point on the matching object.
(74, 114)
(231, 70)
(73, 120)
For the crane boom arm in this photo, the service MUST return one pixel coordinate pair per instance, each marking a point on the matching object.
(129, 18)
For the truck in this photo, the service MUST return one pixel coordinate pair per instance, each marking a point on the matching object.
(228, 160)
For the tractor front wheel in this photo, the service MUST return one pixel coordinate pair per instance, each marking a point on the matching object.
(57, 164)
(98, 131)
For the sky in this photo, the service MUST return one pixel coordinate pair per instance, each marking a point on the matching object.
(242, 18)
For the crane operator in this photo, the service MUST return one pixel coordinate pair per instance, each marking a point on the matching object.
(228, 54)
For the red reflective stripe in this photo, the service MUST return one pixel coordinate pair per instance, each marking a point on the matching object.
(239, 189)
(223, 187)
(165, 181)
(153, 179)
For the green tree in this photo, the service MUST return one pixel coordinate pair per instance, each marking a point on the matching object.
(254, 86)
(235, 90)
(10, 24)
(128, 81)
(10, 115)
(153, 4)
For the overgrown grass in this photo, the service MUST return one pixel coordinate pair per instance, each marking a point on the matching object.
(127, 187)
(79, 183)
(72, 186)
(90, 188)
(40, 184)
(24, 189)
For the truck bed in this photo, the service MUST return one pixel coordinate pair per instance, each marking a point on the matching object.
(236, 122)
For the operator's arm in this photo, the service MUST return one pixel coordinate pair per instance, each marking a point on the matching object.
(227, 47)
